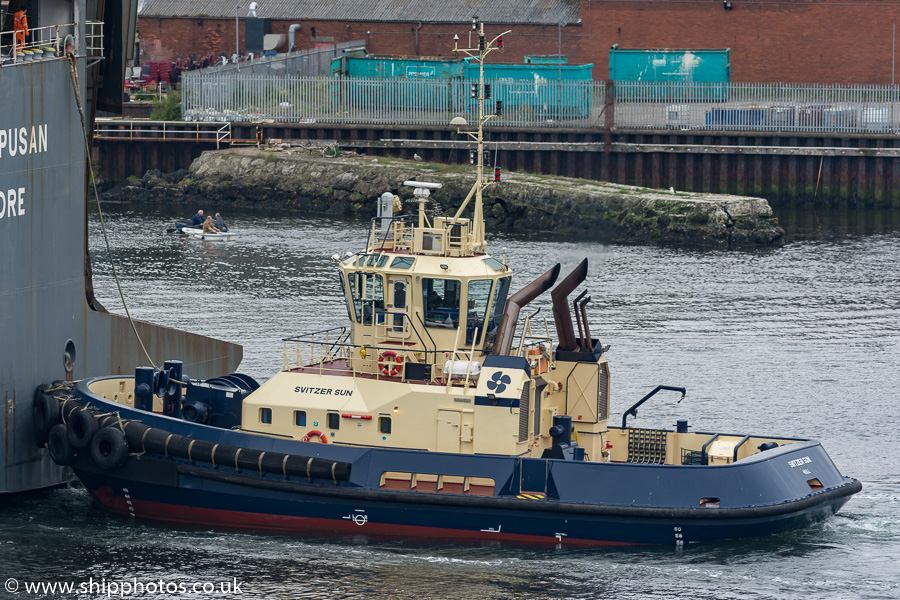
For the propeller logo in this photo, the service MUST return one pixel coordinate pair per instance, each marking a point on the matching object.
(499, 382)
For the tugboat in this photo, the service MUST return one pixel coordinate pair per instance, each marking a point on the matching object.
(428, 417)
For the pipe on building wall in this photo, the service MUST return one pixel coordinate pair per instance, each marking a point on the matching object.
(417, 37)
(292, 31)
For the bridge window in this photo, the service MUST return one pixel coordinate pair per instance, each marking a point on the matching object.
(440, 301)
(499, 302)
(367, 293)
(478, 296)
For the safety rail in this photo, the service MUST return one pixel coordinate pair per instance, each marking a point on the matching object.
(52, 41)
(327, 352)
(175, 131)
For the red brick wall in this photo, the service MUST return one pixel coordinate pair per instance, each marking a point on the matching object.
(814, 41)
(169, 38)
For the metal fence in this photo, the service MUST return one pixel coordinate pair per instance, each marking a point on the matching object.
(758, 107)
(385, 101)
(214, 96)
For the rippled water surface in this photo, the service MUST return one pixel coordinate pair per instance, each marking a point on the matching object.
(798, 341)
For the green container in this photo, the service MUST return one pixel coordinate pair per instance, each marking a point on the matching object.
(681, 66)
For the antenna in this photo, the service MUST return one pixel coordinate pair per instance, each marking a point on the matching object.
(480, 93)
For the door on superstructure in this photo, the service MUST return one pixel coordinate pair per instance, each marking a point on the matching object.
(448, 431)
(399, 313)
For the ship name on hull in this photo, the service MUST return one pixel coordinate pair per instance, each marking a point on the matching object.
(19, 141)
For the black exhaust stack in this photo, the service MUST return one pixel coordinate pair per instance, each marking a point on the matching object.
(507, 328)
(561, 314)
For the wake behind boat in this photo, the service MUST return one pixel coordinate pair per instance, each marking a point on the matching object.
(428, 417)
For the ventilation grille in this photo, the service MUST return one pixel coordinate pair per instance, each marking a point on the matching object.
(603, 392)
(524, 412)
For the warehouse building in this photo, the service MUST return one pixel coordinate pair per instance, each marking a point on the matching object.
(806, 41)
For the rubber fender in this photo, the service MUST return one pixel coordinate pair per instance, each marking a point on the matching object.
(109, 448)
(46, 416)
(61, 451)
(82, 426)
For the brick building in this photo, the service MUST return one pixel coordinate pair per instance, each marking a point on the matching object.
(810, 41)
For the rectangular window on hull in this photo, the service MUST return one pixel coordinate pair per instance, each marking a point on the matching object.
(300, 418)
(334, 420)
(265, 416)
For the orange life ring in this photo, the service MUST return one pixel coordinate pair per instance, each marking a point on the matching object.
(314, 433)
(391, 370)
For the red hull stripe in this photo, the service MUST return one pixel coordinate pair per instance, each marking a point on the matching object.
(285, 523)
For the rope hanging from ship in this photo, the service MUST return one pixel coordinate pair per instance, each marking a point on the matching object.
(76, 86)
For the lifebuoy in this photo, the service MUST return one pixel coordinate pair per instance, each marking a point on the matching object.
(109, 449)
(390, 369)
(314, 433)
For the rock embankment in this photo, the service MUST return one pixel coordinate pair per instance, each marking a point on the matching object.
(350, 185)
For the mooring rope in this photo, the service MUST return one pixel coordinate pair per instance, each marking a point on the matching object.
(87, 149)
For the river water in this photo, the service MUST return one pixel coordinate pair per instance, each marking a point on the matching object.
(799, 341)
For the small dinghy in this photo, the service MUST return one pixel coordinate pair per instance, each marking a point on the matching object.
(197, 234)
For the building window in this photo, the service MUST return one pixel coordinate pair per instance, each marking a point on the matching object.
(384, 424)
(334, 421)
(265, 416)
(300, 418)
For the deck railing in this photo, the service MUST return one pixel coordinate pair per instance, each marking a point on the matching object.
(45, 43)
(211, 96)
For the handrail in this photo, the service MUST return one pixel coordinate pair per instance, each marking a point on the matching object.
(739, 444)
(633, 410)
(141, 129)
(704, 458)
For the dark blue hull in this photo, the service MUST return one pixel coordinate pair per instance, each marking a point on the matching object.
(232, 504)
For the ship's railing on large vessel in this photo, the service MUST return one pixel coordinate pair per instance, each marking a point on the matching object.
(51, 41)
(446, 236)
(176, 131)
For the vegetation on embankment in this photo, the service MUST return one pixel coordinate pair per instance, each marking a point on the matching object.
(351, 185)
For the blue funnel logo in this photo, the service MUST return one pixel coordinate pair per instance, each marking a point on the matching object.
(499, 382)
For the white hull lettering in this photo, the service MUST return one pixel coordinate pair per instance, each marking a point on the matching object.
(19, 141)
(12, 203)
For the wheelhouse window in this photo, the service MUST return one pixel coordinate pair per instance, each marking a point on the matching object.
(479, 294)
(367, 296)
(440, 301)
(501, 290)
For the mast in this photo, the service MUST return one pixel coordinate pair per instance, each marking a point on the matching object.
(480, 93)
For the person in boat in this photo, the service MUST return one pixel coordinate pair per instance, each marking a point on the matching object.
(220, 223)
(197, 219)
(208, 226)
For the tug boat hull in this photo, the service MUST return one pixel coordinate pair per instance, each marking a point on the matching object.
(585, 503)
